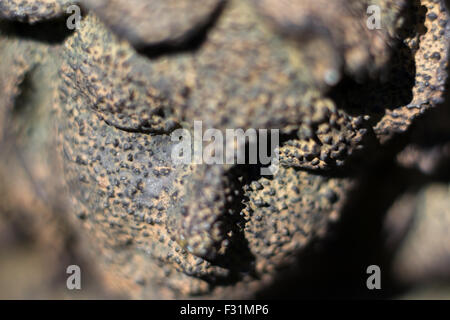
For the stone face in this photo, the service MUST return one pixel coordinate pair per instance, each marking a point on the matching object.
(138, 70)
(136, 198)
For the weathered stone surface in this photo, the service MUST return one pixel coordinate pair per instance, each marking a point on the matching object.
(124, 82)
(32, 11)
(149, 23)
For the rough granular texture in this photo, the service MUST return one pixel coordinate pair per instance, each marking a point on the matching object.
(32, 11)
(333, 45)
(418, 75)
(134, 73)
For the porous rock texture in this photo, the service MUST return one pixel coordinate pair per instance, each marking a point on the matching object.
(111, 93)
